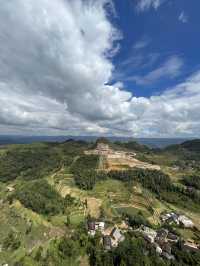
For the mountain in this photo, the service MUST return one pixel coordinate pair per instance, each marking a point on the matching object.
(134, 146)
(192, 146)
(150, 142)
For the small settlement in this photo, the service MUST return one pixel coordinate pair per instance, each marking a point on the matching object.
(111, 236)
(161, 239)
(174, 218)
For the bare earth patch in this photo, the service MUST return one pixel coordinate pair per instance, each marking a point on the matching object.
(93, 205)
(124, 163)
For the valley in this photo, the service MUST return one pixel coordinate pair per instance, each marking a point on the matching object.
(49, 193)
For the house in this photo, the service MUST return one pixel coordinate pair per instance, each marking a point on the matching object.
(171, 218)
(99, 226)
(91, 228)
(177, 219)
(190, 246)
(166, 247)
(107, 242)
(185, 221)
(164, 217)
(157, 248)
(175, 216)
(116, 236)
(148, 233)
(162, 235)
(172, 237)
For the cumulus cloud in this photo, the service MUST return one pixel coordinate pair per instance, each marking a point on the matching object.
(169, 69)
(173, 113)
(57, 49)
(54, 71)
(144, 5)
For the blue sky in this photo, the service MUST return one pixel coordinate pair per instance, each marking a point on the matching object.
(162, 34)
(100, 67)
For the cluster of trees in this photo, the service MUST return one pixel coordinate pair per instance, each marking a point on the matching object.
(11, 242)
(134, 146)
(134, 250)
(40, 197)
(136, 220)
(185, 258)
(154, 180)
(84, 171)
(160, 184)
(37, 160)
(85, 162)
(28, 162)
(64, 251)
(73, 148)
(85, 179)
(192, 181)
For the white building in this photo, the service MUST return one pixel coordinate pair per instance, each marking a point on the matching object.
(116, 237)
(158, 250)
(185, 221)
(148, 233)
(99, 226)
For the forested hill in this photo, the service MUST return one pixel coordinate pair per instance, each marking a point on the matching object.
(39, 159)
(134, 146)
(187, 146)
(51, 192)
(30, 161)
(192, 145)
(150, 142)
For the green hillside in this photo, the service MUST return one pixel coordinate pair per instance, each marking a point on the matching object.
(49, 191)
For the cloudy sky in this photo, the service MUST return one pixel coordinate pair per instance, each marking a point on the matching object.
(100, 67)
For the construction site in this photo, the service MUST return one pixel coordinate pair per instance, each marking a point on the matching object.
(111, 159)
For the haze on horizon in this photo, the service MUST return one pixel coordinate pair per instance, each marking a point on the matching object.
(100, 67)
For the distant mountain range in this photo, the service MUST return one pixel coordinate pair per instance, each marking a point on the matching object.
(151, 142)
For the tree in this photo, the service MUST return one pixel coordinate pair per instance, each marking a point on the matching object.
(67, 248)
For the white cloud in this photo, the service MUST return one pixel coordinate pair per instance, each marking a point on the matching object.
(174, 113)
(144, 42)
(144, 5)
(57, 49)
(169, 69)
(53, 69)
(183, 17)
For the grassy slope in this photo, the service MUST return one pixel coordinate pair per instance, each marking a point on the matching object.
(113, 196)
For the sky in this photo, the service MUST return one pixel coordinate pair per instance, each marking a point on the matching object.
(100, 67)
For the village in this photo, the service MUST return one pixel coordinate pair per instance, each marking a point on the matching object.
(161, 239)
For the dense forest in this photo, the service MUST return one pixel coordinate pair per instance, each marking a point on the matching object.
(30, 162)
(37, 160)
